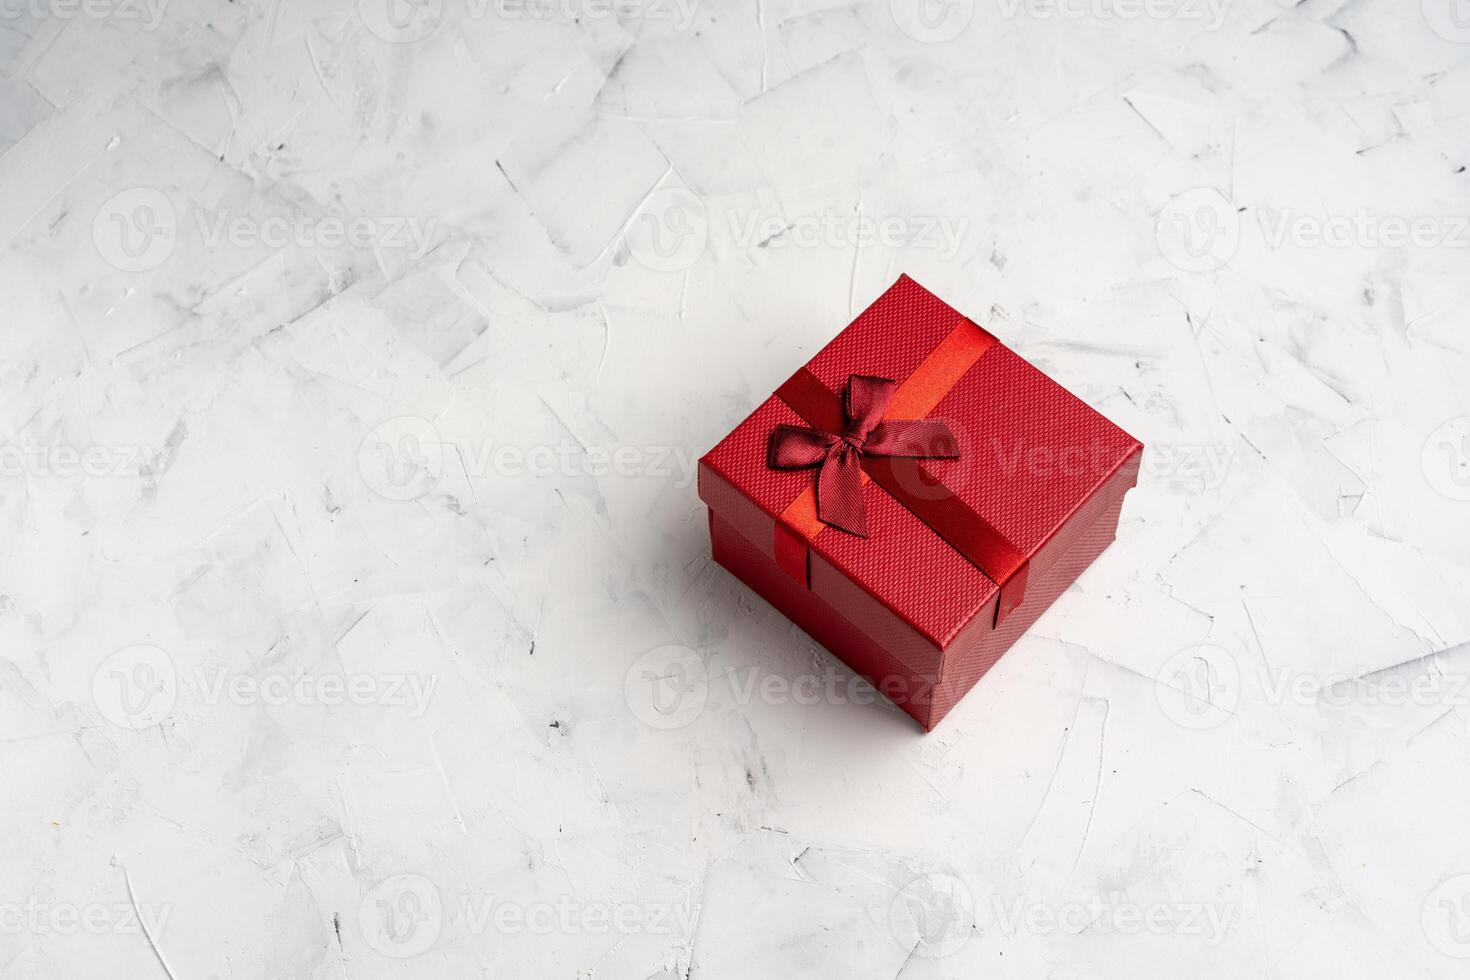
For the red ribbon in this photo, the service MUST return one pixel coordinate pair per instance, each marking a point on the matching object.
(838, 455)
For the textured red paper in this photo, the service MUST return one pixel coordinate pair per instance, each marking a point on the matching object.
(1036, 462)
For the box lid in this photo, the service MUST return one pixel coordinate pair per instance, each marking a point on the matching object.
(1031, 453)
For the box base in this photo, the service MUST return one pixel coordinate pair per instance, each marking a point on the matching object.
(925, 698)
(821, 622)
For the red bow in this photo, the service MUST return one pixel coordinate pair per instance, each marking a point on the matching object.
(839, 485)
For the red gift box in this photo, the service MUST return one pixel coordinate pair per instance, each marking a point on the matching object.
(916, 496)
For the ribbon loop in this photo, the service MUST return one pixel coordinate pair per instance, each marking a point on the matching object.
(866, 433)
(865, 401)
(794, 448)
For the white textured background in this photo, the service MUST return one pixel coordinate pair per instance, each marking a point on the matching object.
(357, 614)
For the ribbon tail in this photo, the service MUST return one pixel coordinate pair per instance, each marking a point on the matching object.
(840, 492)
